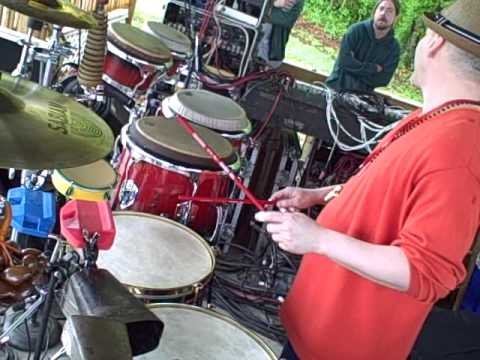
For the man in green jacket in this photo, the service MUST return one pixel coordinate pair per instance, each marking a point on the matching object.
(276, 30)
(369, 52)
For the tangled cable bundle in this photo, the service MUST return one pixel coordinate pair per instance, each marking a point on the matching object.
(20, 270)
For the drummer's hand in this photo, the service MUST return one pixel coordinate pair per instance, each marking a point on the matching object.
(293, 199)
(293, 231)
(284, 4)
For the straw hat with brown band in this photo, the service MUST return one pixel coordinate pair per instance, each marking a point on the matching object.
(459, 24)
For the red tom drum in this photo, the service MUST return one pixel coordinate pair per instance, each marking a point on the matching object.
(134, 59)
(161, 161)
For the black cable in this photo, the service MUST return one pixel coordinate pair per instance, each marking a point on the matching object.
(46, 314)
(29, 342)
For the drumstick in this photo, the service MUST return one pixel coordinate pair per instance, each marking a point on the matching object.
(222, 200)
(219, 162)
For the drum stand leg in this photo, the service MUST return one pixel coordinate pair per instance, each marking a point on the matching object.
(24, 67)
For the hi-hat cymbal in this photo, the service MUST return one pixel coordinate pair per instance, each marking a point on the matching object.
(53, 11)
(42, 129)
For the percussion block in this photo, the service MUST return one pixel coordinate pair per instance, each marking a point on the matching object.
(93, 216)
(33, 212)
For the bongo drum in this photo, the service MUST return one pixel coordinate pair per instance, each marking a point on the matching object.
(158, 259)
(92, 182)
(211, 110)
(134, 59)
(160, 161)
(178, 43)
(192, 332)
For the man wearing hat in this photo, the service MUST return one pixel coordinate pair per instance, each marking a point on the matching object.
(392, 241)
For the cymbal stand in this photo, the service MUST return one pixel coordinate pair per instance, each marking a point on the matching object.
(35, 301)
(24, 67)
(52, 58)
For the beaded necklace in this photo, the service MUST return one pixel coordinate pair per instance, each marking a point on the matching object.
(412, 124)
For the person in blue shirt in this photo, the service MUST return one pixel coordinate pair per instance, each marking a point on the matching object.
(369, 53)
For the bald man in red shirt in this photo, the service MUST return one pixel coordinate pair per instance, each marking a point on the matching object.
(393, 241)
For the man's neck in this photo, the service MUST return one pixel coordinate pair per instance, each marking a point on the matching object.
(440, 93)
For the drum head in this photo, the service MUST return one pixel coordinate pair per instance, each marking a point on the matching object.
(166, 138)
(139, 44)
(98, 175)
(175, 40)
(209, 109)
(154, 253)
(195, 333)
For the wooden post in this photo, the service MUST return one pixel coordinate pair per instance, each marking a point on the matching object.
(131, 10)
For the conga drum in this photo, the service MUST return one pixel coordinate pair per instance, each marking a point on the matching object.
(160, 161)
(93, 182)
(134, 59)
(211, 110)
(178, 43)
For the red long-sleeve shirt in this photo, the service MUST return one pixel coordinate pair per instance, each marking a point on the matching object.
(421, 194)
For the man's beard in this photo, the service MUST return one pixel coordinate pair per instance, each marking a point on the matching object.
(382, 25)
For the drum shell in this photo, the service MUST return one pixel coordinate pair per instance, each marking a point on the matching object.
(159, 185)
(120, 72)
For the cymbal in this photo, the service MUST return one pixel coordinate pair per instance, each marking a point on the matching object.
(43, 129)
(53, 11)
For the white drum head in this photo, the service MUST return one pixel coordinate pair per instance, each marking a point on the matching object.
(209, 109)
(193, 333)
(155, 253)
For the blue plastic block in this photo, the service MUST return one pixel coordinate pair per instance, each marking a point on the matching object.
(33, 212)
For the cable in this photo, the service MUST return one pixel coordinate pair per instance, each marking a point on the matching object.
(29, 342)
(335, 126)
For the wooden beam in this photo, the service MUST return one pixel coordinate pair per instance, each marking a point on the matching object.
(131, 10)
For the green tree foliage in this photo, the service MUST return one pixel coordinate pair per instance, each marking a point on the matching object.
(335, 16)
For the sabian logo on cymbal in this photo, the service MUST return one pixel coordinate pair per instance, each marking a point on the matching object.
(60, 119)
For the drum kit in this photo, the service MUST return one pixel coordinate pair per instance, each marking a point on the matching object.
(162, 251)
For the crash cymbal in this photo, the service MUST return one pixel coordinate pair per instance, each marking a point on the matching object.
(42, 129)
(53, 11)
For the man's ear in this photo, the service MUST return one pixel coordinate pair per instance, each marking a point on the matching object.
(434, 44)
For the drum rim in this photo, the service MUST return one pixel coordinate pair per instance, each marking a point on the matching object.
(107, 188)
(233, 124)
(186, 45)
(220, 316)
(163, 291)
(147, 55)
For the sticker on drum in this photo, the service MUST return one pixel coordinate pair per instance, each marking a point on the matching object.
(209, 109)
(92, 182)
(195, 333)
(178, 43)
(158, 259)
